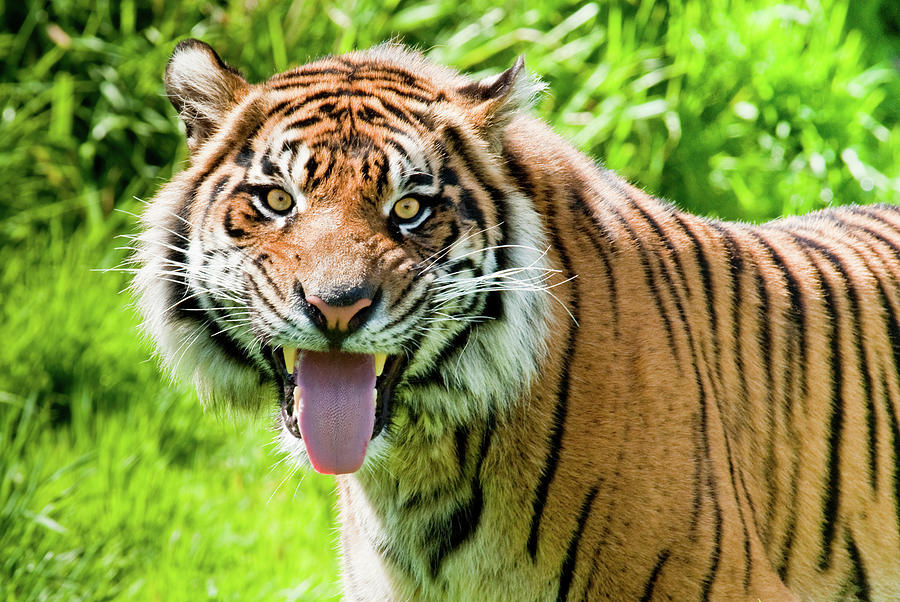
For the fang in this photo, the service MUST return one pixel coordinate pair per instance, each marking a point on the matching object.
(290, 357)
(380, 359)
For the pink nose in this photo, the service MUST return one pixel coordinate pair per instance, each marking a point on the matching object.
(338, 318)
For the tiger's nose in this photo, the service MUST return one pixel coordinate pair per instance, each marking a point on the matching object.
(338, 316)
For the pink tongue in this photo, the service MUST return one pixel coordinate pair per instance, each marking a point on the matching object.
(338, 408)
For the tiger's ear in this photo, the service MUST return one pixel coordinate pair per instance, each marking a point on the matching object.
(202, 88)
(493, 100)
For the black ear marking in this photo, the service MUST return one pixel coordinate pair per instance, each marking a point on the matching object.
(495, 87)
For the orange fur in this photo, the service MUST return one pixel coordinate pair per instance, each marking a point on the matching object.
(704, 409)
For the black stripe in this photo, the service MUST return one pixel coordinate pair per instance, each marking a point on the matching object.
(871, 418)
(420, 179)
(560, 410)
(710, 576)
(269, 305)
(856, 327)
(877, 213)
(225, 341)
(411, 281)
(790, 531)
(244, 133)
(281, 106)
(797, 318)
(706, 275)
(794, 488)
(568, 566)
(380, 163)
(180, 300)
(450, 534)
(895, 446)
(764, 340)
(660, 234)
(798, 307)
(517, 174)
(858, 578)
(468, 206)
(895, 250)
(893, 333)
(831, 493)
(311, 167)
(457, 344)
(752, 506)
(288, 78)
(213, 197)
(736, 269)
(413, 307)
(326, 172)
(493, 305)
(363, 72)
(260, 263)
(474, 164)
(406, 94)
(652, 285)
(663, 270)
(230, 228)
(186, 307)
(654, 576)
(702, 444)
(304, 123)
(244, 157)
(715, 555)
(397, 114)
(212, 322)
(343, 92)
(581, 207)
(461, 438)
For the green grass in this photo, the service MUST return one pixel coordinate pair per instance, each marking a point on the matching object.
(115, 484)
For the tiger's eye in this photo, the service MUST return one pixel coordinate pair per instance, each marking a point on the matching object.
(406, 208)
(278, 200)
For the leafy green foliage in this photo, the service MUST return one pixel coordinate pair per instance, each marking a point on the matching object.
(113, 484)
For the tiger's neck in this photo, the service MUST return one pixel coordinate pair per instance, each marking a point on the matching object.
(424, 504)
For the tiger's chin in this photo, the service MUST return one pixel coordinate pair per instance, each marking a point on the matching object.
(333, 403)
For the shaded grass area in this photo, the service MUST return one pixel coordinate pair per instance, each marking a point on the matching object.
(116, 485)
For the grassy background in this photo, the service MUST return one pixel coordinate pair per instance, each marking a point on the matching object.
(114, 484)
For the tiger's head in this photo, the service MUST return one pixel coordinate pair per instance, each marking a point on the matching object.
(345, 243)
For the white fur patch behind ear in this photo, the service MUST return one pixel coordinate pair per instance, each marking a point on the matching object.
(202, 88)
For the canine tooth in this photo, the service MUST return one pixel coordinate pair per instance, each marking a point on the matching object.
(375, 397)
(298, 398)
(290, 356)
(380, 358)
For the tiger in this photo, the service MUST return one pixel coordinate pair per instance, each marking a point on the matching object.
(531, 379)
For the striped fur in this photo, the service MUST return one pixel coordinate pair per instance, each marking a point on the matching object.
(605, 397)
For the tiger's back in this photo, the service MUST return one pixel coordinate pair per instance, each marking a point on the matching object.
(600, 396)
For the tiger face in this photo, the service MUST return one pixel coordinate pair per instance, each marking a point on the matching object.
(327, 249)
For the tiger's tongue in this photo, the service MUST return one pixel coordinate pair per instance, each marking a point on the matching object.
(338, 408)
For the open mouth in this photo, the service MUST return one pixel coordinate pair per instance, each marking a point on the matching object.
(336, 402)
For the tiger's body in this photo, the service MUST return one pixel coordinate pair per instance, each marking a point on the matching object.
(701, 410)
